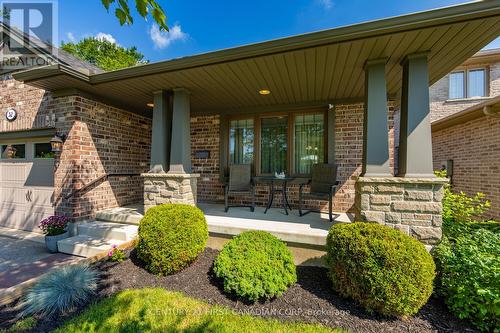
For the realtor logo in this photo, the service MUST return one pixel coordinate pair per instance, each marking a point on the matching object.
(28, 31)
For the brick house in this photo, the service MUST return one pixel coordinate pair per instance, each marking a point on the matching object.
(168, 131)
(466, 126)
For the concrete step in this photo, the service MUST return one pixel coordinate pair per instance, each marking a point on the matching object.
(108, 230)
(129, 215)
(86, 246)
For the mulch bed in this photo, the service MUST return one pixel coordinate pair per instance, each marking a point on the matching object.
(311, 299)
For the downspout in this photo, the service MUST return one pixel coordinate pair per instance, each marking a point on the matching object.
(488, 111)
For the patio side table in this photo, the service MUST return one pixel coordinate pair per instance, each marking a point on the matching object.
(276, 185)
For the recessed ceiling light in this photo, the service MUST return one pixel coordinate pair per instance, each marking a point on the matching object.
(150, 105)
(264, 92)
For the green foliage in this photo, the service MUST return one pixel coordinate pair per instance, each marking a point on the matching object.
(116, 255)
(104, 54)
(61, 291)
(22, 325)
(143, 7)
(379, 267)
(171, 237)
(458, 207)
(159, 310)
(469, 272)
(255, 265)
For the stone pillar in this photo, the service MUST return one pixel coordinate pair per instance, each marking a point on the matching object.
(180, 153)
(177, 185)
(166, 188)
(161, 133)
(376, 128)
(415, 136)
(412, 205)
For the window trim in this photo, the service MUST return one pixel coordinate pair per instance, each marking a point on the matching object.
(466, 71)
(34, 151)
(25, 158)
(291, 115)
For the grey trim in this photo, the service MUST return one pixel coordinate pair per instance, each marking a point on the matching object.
(375, 124)
(180, 148)
(223, 145)
(161, 132)
(415, 137)
(28, 134)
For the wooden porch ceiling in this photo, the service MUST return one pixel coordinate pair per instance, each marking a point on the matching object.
(311, 69)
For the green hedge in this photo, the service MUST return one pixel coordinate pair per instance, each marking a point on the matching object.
(379, 267)
(469, 273)
(171, 237)
(255, 265)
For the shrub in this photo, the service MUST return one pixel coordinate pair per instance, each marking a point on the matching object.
(379, 267)
(61, 291)
(468, 269)
(255, 265)
(171, 237)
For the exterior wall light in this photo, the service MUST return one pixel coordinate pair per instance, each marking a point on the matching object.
(57, 142)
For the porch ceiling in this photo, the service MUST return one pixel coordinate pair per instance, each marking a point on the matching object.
(311, 69)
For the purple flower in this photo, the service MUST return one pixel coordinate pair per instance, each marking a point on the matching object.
(54, 225)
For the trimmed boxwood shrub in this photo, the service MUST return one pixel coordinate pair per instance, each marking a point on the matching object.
(468, 275)
(171, 236)
(255, 265)
(379, 267)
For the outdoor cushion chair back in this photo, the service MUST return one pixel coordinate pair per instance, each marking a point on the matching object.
(323, 177)
(240, 178)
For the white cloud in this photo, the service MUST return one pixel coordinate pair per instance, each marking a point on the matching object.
(326, 4)
(107, 37)
(163, 39)
(71, 37)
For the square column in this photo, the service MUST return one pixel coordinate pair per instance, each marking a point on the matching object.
(161, 132)
(180, 153)
(375, 126)
(415, 137)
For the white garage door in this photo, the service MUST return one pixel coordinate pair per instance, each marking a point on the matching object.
(26, 183)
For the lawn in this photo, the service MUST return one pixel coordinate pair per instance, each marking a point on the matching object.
(159, 310)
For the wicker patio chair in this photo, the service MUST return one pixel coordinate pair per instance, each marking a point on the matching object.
(240, 184)
(323, 184)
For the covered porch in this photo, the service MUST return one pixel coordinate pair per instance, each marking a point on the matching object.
(254, 104)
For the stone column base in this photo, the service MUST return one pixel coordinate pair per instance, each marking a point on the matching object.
(412, 205)
(163, 188)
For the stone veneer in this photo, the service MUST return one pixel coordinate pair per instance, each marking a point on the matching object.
(412, 205)
(162, 188)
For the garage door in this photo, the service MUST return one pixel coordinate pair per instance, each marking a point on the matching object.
(26, 183)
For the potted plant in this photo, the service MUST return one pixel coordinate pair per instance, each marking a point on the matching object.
(54, 228)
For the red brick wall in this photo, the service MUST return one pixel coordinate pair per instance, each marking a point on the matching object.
(474, 147)
(101, 140)
(348, 147)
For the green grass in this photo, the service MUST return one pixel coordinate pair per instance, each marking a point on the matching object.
(21, 325)
(158, 310)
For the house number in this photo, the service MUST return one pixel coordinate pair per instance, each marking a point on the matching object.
(11, 114)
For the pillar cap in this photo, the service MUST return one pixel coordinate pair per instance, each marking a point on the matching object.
(374, 62)
(417, 55)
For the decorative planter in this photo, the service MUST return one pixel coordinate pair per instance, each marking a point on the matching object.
(51, 241)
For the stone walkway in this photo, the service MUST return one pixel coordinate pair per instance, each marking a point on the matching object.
(21, 260)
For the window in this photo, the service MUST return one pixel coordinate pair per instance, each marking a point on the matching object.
(468, 84)
(284, 142)
(274, 145)
(13, 151)
(309, 142)
(457, 84)
(43, 150)
(241, 141)
(476, 83)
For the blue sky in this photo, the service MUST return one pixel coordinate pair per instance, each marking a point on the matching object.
(202, 26)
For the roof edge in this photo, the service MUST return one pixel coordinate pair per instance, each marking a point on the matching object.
(471, 113)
